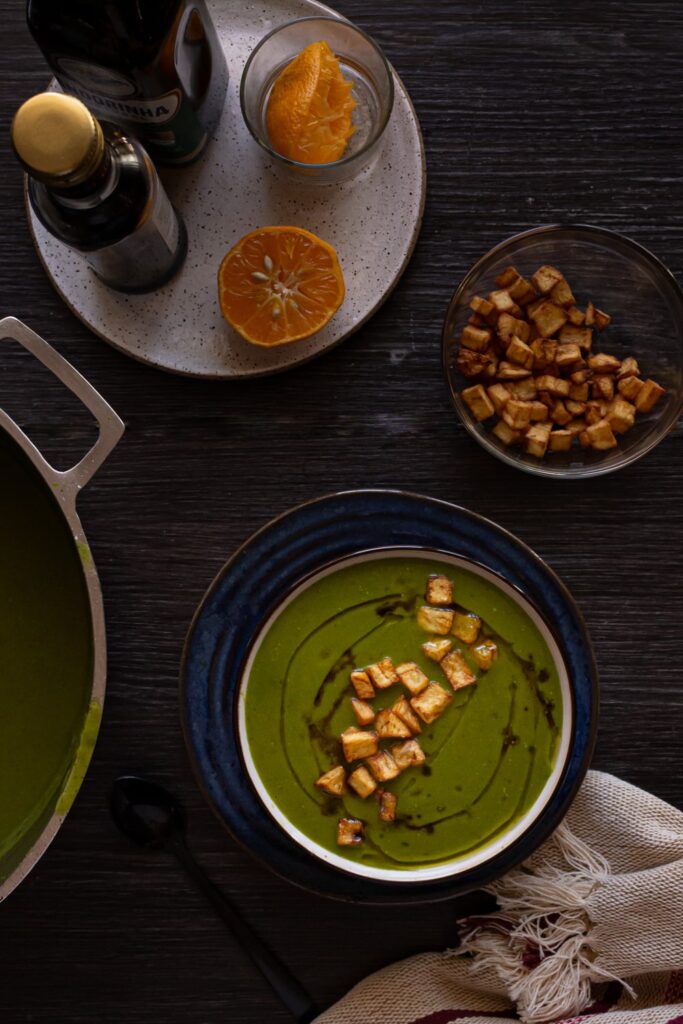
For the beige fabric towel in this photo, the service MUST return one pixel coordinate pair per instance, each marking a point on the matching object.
(592, 923)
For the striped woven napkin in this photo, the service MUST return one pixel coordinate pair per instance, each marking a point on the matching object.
(592, 923)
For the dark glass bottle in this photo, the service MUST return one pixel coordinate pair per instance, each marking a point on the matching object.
(155, 67)
(97, 191)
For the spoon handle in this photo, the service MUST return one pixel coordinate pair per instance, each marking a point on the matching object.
(282, 982)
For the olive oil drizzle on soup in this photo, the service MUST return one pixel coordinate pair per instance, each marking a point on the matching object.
(488, 755)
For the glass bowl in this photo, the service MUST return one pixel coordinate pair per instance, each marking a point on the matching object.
(361, 61)
(646, 305)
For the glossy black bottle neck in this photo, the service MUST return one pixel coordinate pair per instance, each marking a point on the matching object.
(96, 187)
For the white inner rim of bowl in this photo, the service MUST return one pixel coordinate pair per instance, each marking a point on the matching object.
(457, 866)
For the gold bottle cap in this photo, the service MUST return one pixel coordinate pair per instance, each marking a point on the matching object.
(57, 139)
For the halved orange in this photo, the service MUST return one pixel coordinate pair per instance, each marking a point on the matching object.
(309, 114)
(280, 284)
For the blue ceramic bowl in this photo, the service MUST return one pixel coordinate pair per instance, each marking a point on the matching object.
(257, 579)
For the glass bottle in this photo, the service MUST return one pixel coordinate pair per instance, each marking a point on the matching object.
(97, 191)
(155, 67)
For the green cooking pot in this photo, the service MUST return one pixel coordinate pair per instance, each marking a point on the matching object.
(52, 638)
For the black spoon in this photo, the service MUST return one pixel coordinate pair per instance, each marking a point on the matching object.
(151, 816)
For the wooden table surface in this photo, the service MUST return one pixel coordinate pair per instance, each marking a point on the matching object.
(531, 113)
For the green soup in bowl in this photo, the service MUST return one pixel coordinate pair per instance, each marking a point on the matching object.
(493, 758)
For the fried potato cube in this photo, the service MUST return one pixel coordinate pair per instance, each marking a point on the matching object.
(506, 434)
(389, 726)
(508, 326)
(621, 415)
(560, 414)
(602, 387)
(539, 411)
(648, 396)
(544, 350)
(457, 671)
(491, 369)
(545, 279)
(439, 589)
(479, 403)
(524, 389)
(507, 276)
(547, 399)
(358, 743)
(602, 362)
(568, 353)
(466, 626)
(600, 436)
(629, 368)
(574, 428)
(503, 302)
(408, 754)
(519, 352)
(629, 388)
(572, 335)
(437, 649)
(584, 439)
(578, 392)
(549, 318)
(412, 676)
(349, 832)
(510, 371)
(475, 338)
(575, 408)
(333, 782)
(499, 395)
(561, 293)
(481, 306)
(387, 666)
(363, 712)
(555, 386)
(485, 653)
(383, 766)
(517, 414)
(435, 620)
(602, 320)
(590, 314)
(476, 321)
(594, 413)
(382, 673)
(431, 702)
(576, 317)
(472, 364)
(561, 440)
(362, 782)
(403, 710)
(581, 376)
(387, 805)
(522, 291)
(537, 438)
(361, 683)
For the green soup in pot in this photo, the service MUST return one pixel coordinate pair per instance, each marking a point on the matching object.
(488, 756)
(46, 656)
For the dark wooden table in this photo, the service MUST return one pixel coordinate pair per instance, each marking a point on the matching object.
(531, 113)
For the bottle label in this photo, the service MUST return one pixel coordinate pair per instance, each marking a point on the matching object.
(146, 256)
(96, 87)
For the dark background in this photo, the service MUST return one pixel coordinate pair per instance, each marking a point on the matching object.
(532, 112)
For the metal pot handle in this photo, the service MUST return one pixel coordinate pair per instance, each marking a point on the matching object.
(69, 481)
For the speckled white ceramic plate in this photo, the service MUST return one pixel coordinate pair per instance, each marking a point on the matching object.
(372, 221)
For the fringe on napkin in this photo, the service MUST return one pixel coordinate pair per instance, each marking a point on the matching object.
(539, 944)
